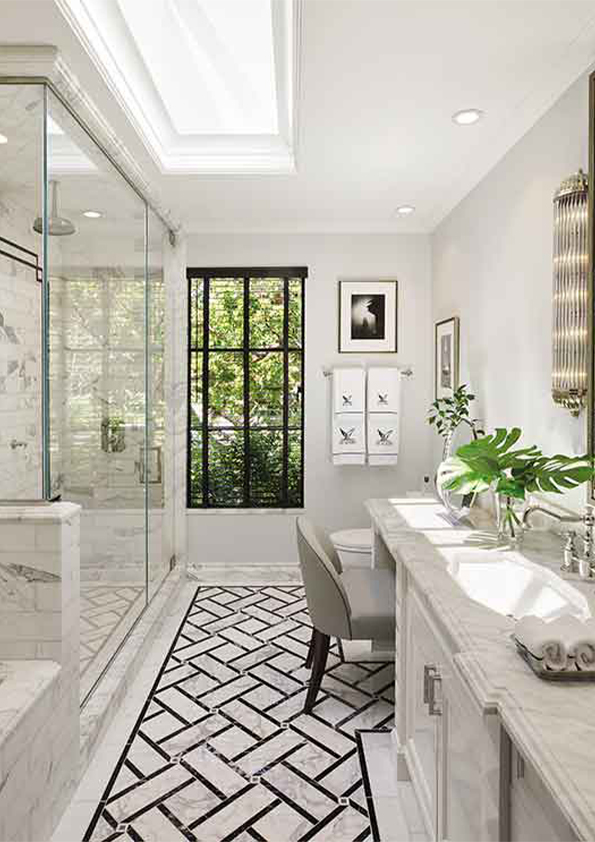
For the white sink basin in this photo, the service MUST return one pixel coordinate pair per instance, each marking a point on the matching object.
(513, 586)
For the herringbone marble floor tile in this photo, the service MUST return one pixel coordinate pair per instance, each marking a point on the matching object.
(222, 749)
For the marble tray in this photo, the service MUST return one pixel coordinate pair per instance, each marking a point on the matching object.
(552, 675)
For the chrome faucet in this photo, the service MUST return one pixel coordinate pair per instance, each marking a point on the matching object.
(583, 564)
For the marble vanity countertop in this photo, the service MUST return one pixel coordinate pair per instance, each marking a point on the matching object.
(24, 687)
(553, 725)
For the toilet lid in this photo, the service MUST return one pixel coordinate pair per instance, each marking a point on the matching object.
(356, 540)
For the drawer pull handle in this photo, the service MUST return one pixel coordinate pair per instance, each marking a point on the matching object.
(429, 670)
(434, 706)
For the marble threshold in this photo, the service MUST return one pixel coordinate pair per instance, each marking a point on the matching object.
(242, 574)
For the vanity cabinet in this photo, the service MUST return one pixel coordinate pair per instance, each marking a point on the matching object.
(453, 708)
(423, 742)
(533, 816)
(451, 752)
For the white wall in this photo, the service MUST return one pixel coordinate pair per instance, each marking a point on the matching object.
(492, 266)
(333, 495)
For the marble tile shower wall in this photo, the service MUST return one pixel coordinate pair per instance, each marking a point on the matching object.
(99, 414)
(20, 369)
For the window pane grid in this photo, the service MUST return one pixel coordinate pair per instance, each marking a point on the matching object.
(246, 430)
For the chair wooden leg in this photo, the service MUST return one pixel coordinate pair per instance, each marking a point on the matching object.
(321, 647)
(310, 654)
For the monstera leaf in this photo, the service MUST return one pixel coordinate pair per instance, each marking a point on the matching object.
(492, 462)
(455, 475)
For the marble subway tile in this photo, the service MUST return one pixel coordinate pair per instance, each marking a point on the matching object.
(39, 747)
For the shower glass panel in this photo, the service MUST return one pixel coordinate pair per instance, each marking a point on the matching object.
(21, 201)
(158, 566)
(99, 310)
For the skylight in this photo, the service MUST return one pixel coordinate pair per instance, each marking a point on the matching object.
(212, 62)
(208, 84)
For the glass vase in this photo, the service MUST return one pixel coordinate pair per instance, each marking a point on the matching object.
(447, 446)
(509, 520)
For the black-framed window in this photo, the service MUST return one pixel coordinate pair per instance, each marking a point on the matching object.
(246, 387)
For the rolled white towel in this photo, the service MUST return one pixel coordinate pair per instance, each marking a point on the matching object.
(581, 643)
(542, 641)
(585, 656)
(555, 656)
(561, 643)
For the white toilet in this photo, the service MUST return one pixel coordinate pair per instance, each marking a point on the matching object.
(354, 547)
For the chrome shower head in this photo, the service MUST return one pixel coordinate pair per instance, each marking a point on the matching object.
(58, 226)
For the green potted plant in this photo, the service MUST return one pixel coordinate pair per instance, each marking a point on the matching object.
(493, 463)
(447, 414)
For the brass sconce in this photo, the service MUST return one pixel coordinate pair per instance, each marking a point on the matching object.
(570, 368)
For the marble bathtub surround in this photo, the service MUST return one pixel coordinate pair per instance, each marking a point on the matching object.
(551, 725)
(39, 621)
(29, 748)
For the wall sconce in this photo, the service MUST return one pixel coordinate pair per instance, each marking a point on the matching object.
(571, 263)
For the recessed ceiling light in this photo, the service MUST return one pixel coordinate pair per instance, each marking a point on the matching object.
(92, 214)
(405, 210)
(3, 138)
(467, 116)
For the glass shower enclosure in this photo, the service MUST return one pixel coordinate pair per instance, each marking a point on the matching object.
(82, 356)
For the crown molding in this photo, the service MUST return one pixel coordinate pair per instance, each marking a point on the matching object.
(44, 64)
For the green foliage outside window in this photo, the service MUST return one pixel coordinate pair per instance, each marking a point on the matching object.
(254, 436)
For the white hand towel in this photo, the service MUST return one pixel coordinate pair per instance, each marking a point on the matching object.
(383, 461)
(349, 390)
(349, 459)
(542, 641)
(383, 434)
(579, 637)
(585, 655)
(348, 435)
(383, 389)
(561, 643)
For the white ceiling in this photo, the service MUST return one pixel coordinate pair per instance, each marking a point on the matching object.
(379, 82)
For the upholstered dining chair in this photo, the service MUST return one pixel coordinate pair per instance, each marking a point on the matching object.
(357, 604)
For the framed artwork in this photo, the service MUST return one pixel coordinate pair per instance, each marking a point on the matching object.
(446, 356)
(368, 317)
